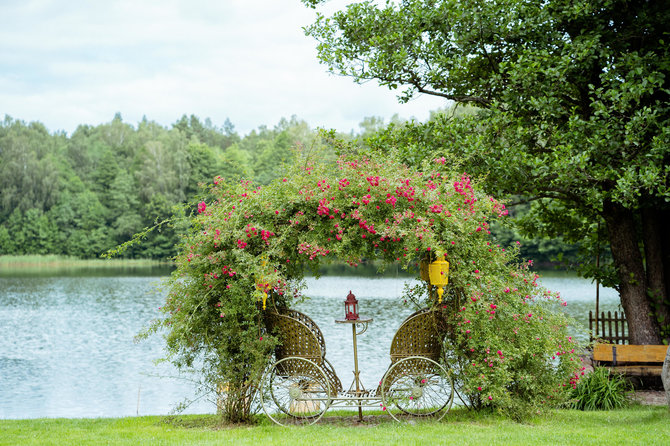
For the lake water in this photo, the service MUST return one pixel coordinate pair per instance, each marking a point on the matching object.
(67, 350)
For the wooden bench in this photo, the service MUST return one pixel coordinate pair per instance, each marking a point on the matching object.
(631, 360)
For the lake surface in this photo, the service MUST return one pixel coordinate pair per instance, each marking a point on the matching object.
(67, 341)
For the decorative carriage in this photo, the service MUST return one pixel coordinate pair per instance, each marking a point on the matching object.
(301, 385)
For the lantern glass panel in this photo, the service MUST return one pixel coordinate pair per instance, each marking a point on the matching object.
(351, 307)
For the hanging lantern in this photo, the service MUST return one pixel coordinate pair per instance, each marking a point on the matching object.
(351, 307)
(439, 276)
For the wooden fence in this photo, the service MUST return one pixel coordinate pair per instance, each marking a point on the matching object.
(612, 329)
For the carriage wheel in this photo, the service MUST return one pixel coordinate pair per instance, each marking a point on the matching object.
(417, 386)
(295, 391)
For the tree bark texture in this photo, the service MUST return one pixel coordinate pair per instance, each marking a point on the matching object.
(665, 249)
(652, 228)
(665, 376)
(642, 327)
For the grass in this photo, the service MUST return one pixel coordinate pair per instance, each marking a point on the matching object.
(644, 425)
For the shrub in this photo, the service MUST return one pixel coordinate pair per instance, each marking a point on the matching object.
(509, 347)
(601, 390)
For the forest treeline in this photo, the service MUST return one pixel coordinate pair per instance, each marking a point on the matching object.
(83, 194)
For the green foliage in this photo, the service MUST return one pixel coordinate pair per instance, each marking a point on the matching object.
(512, 352)
(83, 195)
(103, 197)
(601, 390)
(5, 242)
(28, 174)
(549, 235)
(206, 133)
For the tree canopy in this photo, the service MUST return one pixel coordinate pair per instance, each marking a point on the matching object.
(87, 193)
(574, 116)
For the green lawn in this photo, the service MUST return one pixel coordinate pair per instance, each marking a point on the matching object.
(643, 425)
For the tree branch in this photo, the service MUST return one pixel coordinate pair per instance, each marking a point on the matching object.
(458, 98)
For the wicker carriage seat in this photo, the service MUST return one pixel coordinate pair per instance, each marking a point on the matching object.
(418, 336)
(301, 337)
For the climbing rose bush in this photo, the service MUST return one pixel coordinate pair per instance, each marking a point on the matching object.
(506, 344)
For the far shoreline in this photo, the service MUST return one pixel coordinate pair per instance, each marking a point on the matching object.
(55, 265)
(59, 261)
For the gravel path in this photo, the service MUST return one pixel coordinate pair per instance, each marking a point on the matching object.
(650, 397)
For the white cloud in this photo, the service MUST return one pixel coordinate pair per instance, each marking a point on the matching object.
(70, 63)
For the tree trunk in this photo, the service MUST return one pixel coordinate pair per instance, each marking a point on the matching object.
(665, 253)
(652, 227)
(642, 327)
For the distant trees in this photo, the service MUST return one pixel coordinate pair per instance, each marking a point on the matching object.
(84, 194)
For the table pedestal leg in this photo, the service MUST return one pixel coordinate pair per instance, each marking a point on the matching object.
(356, 374)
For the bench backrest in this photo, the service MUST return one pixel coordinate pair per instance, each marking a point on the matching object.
(629, 353)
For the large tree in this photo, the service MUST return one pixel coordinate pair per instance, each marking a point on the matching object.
(574, 112)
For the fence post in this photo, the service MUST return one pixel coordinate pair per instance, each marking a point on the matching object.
(609, 324)
(616, 327)
(618, 335)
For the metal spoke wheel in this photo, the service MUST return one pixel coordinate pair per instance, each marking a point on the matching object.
(295, 391)
(417, 387)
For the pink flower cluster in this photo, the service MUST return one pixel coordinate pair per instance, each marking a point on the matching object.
(498, 208)
(323, 209)
(406, 191)
(343, 183)
(374, 181)
(574, 379)
(368, 227)
(312, 250)
(463, 187)
(228, 271)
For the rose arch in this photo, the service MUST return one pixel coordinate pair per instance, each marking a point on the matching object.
(510, 349)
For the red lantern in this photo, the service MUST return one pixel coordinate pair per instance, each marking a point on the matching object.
(351, 307)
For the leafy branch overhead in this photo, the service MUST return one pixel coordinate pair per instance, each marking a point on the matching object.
(573, 104)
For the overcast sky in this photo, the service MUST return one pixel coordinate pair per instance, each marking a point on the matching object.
(70, 62)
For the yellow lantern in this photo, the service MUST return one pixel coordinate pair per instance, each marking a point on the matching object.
(439, 276)
(260, 285)
(263, 287)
